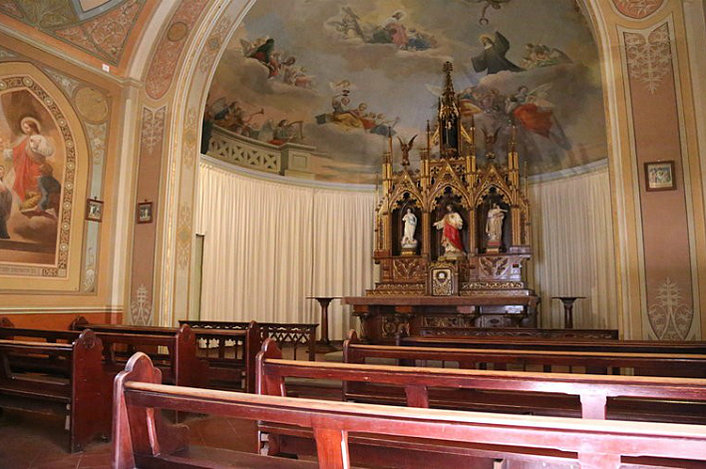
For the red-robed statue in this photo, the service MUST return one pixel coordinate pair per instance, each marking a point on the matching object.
(451, 225)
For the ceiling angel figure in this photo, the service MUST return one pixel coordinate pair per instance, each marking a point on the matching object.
(534, 113)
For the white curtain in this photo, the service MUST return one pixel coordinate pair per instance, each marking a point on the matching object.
(269, 245)
(343, 249)
(573, 249)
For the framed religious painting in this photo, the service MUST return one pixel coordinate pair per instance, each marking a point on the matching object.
(659, 176)
(94, 210)
(144, 212)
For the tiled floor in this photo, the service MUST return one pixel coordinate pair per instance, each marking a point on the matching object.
(39, 442)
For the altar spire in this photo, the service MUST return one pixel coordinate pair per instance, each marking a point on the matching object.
(448, 117)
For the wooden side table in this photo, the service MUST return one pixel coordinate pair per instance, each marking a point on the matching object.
(323, 345)
(568, 302)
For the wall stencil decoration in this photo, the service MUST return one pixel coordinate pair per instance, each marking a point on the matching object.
(6, 54)
(328, 82)
(89, 274)
(152, 127)
(670, 317)
(66, 83)
(214, 42)
(141, 307)
(97, 136)
(102, 30)
(637, 9)
(649, 56)
(184, 229)
(165, 59)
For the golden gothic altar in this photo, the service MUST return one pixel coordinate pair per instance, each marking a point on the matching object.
(451, 236)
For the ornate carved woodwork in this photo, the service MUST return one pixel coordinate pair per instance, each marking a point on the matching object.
(439, 284)
(453, 180)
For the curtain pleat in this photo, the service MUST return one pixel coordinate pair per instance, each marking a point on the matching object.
(268, 246)
(573, 249)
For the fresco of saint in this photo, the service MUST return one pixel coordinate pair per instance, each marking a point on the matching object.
(31, 179)
(492, 59)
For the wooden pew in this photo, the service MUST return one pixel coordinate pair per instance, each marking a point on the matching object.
(538, 333)
(682, 399)
(614, 362)
(225, 371)
(74, 384)
(142, 439)
(563, 344)
(421, 387)
(180, 365)
(293, 334)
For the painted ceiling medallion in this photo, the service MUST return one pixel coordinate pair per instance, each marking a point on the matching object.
(637, 9)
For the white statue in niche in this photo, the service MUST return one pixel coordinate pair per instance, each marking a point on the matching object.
(410, 226)
(494, 224)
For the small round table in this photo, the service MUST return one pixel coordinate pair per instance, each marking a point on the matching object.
(568, 309)
(324, 344)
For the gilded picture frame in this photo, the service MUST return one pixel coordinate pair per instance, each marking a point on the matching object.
(659, 176)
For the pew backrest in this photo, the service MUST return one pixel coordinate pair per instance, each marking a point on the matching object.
(592, 390)
(652, 364)
(72, 381)
(566, 344)
(245, 343)
(539, 333)
(140, 434)
(183, 365)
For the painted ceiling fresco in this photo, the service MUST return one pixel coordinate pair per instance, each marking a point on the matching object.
(336, 74)
(98, 27)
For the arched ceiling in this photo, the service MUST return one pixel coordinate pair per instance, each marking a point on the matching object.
(333, 75)
(105, 30)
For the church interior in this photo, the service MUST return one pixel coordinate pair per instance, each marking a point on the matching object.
(352, 233)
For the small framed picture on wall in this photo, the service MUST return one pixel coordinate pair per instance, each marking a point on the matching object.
(94, 210)
(144, 212)
(659, 176)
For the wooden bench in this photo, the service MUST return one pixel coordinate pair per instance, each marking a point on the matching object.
(142, 439)
(293, 334)
(228, 371)
(73, 383)
(441, 331)
(647, 364)
(636, 398)
(562, 344)
(180, 364)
